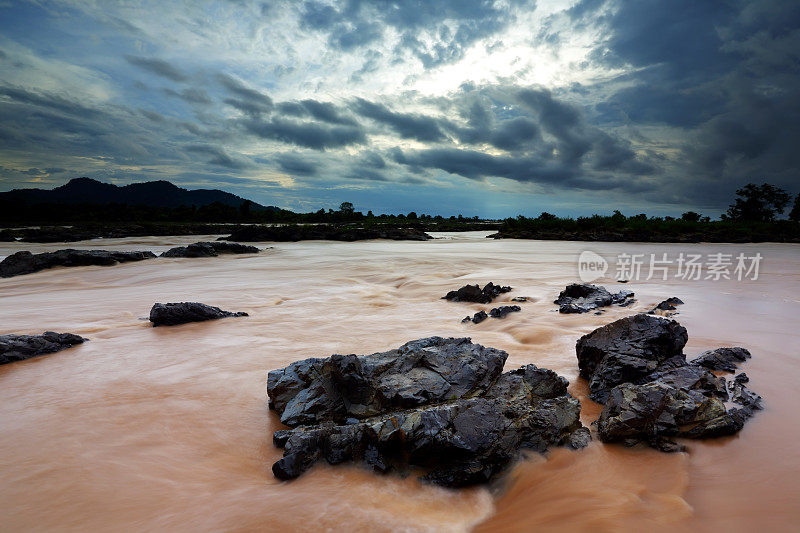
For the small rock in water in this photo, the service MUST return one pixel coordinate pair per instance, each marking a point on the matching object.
(172, 314)
(583, 297)
(19, 347)
(521, 299)
(503, 311)
(210, 249)
(479, 317)
(473, 293)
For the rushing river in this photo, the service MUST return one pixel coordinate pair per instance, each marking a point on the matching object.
(167, 429)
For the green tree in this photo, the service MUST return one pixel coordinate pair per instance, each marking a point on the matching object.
(761, 203)
(346, 208)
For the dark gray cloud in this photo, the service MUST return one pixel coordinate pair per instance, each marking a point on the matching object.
(158, 67)
(305, 134)
(191, 95)
(219, 156)
(407, 125)
(250, 101)
(296, 164)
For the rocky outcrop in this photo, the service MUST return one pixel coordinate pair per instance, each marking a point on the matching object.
(210, 249)
(435, 403)
(172, 314)
(627, 350)
(28, 263)
(504, 310)
(722, 359)
(19, 347)
(583, 297)
(636, 367)
(327, 232)
(474, 293)
(666, 307)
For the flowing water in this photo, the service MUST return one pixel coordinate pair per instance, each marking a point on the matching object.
(167, 429)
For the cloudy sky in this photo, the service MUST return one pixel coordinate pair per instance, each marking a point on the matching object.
(479, 107)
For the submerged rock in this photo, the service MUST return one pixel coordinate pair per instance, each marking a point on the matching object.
(435, 403)
(636, 367)
(27, 263)
(666, 307)
(19, 347)
(627, 350)
(172, 314)
(583, 297)
(210, 249)
(724, 359)
(474, 293)
(503, 311)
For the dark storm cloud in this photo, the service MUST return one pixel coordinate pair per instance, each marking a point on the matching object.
(323, 111)
(305, 134)
(726, 72)
(158, 67)
(296, 164)
(219, 156)
(407, 125)
(248, 100)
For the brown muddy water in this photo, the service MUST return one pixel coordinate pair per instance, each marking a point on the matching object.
(167, 429)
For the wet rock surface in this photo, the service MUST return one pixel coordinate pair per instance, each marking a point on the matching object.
(666, 307)
(723, 359)
(636, 367)
(583, 297)
(477, 318)
(27, 263)
(442, 405)
(474, 293)
(328, 232)
(503, 311)
(210, 249)
(172, 314)
(19, 347)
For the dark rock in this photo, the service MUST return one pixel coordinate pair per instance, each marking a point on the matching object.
(8, 235)
(722, 359)
(473, 293)
(439, 404)
(622, 281)
(503, 311)
(739, 393)
(28, 263)
(172, 314)
(521, 299)
(582, 298)
(210, 249)
(19, 347)
(328, 232)
(477, 318)
(627, 350)
(673, 300)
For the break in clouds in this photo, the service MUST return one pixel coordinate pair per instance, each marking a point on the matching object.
(480, 107)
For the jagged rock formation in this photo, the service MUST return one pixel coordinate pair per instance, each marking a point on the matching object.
(435, 403)
(583, 297)
(474, 293)
(636, 367)
(27, 263)
(19, 347)
(172, 314)
(503, 311)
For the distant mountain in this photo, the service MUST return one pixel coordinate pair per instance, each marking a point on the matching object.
(151, 194)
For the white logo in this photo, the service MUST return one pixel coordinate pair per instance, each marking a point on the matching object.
(591, 266)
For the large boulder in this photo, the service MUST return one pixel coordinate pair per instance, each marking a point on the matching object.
(627, 350)
(19, 347)
(583, 297)
(210, 249)
(172, 314)
(474, 293)
(636, 367)
(439, 404)
(27, 263)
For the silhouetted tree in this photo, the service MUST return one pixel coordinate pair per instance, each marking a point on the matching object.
(758, 203)
(691, 216)
(346, 208)
(795, 212)
(547, 216)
